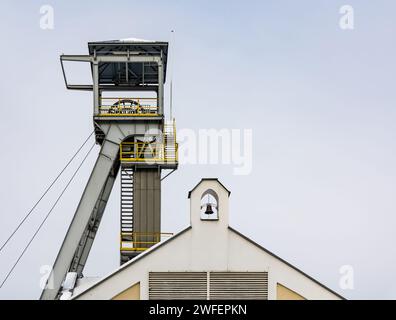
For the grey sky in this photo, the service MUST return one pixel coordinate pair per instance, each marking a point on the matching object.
(320, 101)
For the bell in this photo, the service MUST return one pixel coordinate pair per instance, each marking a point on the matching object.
(209, 209)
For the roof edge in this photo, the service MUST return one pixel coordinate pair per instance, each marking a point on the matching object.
(208, 179)
(284, 261)
(132, 261)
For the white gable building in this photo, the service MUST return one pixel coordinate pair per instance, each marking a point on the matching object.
(185, 266)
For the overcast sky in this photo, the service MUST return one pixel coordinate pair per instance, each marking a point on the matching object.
(319, 99)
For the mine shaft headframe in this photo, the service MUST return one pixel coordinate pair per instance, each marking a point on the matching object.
(123, 65)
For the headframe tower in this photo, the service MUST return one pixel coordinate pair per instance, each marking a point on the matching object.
(128, 79)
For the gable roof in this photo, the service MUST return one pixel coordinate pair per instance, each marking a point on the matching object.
(208, 179)
(163, 243)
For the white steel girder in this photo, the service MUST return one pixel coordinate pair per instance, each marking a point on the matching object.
(85, 223)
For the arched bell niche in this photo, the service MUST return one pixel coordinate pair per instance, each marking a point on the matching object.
(209, 205)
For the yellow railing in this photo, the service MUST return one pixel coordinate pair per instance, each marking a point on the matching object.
(148, 152)
(140, 241)
(130, 107)
(165, 151)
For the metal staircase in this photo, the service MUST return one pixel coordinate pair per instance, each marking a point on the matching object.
(126, 199)
(170, 145)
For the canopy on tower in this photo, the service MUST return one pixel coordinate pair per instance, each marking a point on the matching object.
(129, 73)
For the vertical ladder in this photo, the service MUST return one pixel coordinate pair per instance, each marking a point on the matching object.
(126, 199)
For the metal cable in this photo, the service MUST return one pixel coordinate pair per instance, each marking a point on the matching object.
(46, 191)
(46, 217)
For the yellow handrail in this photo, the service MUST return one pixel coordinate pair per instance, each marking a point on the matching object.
(137, 241)
(128, 106)
(152, 152)
(149, 152)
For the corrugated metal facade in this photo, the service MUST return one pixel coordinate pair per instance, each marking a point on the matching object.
(147, 202)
